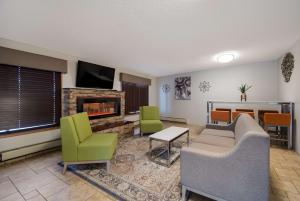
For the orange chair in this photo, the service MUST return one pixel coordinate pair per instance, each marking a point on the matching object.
(282, 120)
(261, 115)
(225, 109)
(236, 113)
(220, 116)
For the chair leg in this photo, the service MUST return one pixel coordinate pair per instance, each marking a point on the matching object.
(65, 168)
(288, 138)
(183, 193)
(115, 154)
(107, 166)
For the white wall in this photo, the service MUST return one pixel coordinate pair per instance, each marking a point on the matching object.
(262, 76)
(68, 80)
(290, 91)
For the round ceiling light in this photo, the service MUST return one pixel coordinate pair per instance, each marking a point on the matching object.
(226, 57)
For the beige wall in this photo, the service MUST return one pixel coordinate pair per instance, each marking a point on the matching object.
(263, 76)
(69, 78)
(289, 91)
(67, 81)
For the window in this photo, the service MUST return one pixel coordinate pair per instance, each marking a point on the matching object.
(29, 98)
(135, 96)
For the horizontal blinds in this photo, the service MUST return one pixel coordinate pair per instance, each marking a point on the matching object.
(8, 97)
(38, 93)
(36, 98)
(135, 96)
(128, 88)
(144, 95)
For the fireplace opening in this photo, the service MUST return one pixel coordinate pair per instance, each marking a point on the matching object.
(99, 107)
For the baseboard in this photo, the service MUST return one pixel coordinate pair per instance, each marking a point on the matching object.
(23, 151)
(173, 119)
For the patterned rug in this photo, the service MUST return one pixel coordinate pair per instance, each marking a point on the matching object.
(133, 176)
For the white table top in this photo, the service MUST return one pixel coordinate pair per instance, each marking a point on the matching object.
(250, 102)
(169, 134)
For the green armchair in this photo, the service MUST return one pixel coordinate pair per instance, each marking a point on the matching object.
(150, 120)
(81, 146)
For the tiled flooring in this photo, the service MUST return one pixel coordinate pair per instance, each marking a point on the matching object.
(284, 175)
(40, 178)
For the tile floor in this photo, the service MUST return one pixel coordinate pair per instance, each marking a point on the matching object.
(40, 178)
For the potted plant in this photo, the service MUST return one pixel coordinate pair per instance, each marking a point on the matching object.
(243, 88)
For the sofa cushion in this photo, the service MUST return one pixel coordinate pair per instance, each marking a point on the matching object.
(209, 148)
(82, 125)
(98, 147)
(215, 132)
(150, 113)
(214, 140)
(151, 126)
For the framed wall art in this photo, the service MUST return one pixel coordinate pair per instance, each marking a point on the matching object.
(183, 88)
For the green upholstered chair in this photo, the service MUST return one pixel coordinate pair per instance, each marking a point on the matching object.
(150, 120)
(81, 146)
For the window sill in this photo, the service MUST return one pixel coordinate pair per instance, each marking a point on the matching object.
(28, 132)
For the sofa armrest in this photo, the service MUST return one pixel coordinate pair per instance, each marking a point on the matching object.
(196, 161)
(196, 153)
(228, 174)
(199, 168)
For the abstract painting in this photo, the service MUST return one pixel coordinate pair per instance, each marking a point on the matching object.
(183, 88)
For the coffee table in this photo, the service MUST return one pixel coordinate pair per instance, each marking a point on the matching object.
(167, 136)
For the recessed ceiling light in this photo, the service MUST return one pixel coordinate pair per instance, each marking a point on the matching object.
(226, 57)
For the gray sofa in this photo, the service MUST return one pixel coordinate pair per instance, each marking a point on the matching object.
(228, 162)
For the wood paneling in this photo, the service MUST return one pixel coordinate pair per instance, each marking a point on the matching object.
(124, 77)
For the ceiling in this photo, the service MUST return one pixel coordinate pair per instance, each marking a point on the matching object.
(155, 37)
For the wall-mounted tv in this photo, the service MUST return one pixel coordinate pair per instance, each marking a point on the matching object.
(94, 76)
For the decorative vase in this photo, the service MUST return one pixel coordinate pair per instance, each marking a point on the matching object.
(243, 97)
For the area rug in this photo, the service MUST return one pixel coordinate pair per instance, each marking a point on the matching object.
(133, 176)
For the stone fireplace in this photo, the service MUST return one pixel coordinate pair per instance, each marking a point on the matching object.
(102, 106)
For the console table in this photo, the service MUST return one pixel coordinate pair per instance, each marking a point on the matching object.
(285, 107)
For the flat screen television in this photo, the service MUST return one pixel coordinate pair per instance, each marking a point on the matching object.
(94, 76)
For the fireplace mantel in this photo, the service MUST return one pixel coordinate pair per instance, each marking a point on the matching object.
(70, 96)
